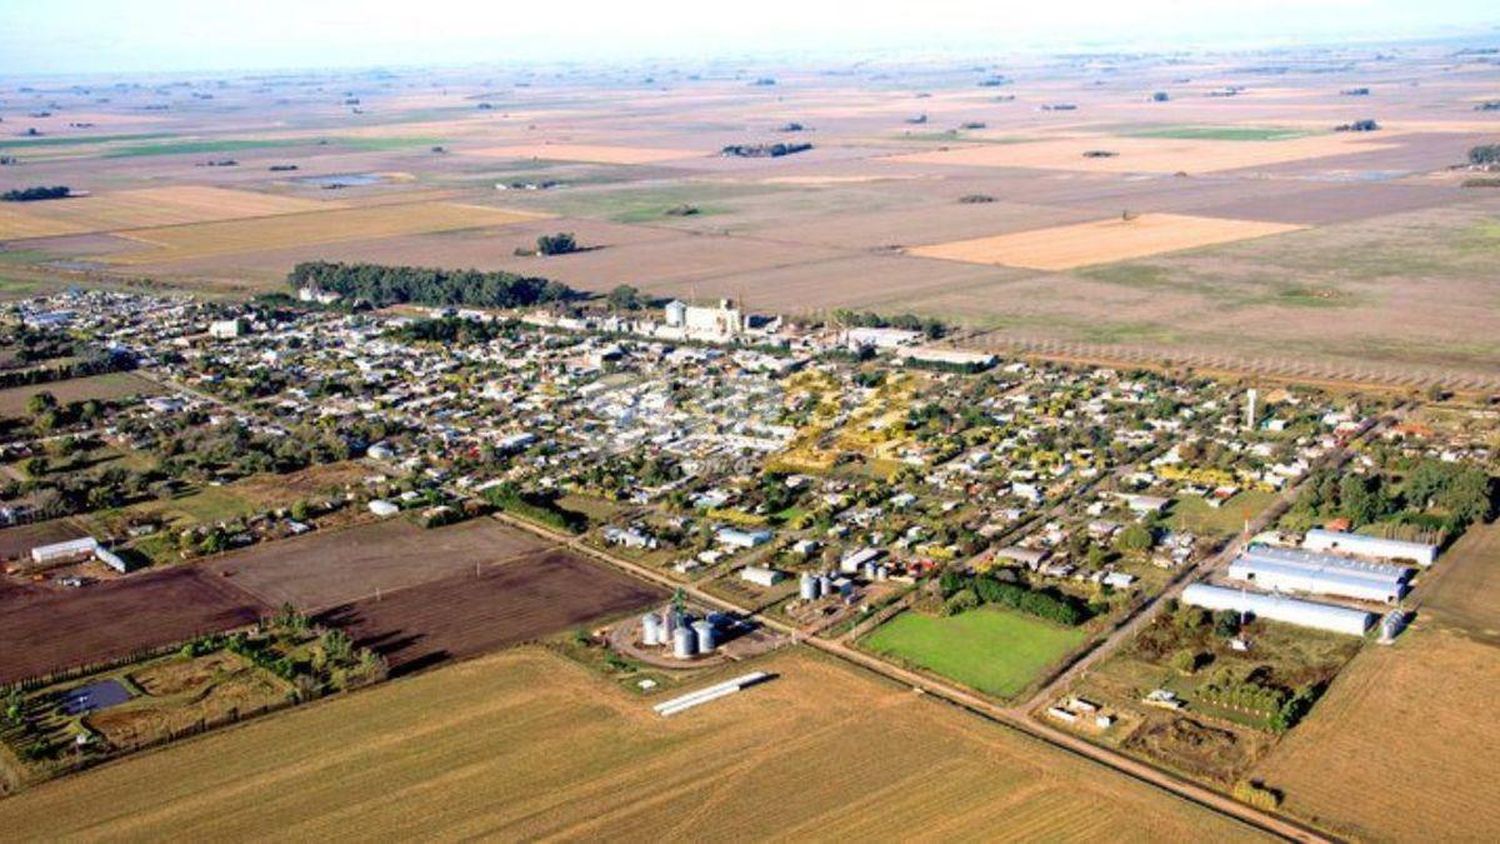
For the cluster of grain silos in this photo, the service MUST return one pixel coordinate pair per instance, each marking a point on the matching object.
(673, 628)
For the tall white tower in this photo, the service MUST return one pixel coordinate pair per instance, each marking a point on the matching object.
(1250, 410)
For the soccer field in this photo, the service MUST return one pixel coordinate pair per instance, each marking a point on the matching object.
(996, 651)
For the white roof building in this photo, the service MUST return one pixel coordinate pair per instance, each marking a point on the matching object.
(1370, 546)
(1328, 617)
(82, 547)
(1291, 570)
(761, 576)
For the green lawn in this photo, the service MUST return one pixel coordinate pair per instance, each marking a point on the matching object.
(996, 651)
(1193, 514)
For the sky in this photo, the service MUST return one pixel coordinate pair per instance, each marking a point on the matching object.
(145, 36)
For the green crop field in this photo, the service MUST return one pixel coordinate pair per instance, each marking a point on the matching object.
(1221, 133)
(996, 651)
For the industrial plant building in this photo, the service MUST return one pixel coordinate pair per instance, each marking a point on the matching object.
(1292, 570)
(1421, 553)
(1280, 608)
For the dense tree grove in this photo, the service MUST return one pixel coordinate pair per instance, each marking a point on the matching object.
(986, 589)
(452, 330)
(1484, 154)
(556, 244)
(36, 193)
(933, 328)
(775, 150)
(391, 285)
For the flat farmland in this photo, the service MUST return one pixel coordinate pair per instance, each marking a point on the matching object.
(1463, 593)
(590, 153)
(1100, 241)
(1147, 155)
(322, 569)
(467, 615)
(1411, 713)
(232, 237)
(525, 745)
(146, 208)
(113, 385)
(45, 630)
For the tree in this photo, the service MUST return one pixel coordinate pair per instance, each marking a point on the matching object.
(556, 244)
(625, 298)
(1185, 661)
(40, 403)
(1226, 624)
(1134, 539)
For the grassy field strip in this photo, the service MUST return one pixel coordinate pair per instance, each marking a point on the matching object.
(996, 651)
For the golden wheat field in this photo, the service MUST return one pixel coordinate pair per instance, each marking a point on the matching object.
(1145, 155)
(525, 745)
(1403, 747)
(232, 237)
(145, 208)
(1099, 242)
(590, 153)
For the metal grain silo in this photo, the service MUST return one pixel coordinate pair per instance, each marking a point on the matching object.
(684, 643)
(651, 629)
(825, 585)
(809, 586)
(704, 633)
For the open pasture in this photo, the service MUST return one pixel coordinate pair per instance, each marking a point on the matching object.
(1146, 154)
(465, 615)
(232, 237)
(589, 153)
(325, 568)
(146, 208)
(1099, 242)
(42, 631)
(112, 385)
(997, 651)
(1400, 748)
(1462, 593)
(526, 745)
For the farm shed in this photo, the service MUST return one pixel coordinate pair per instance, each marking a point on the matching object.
(1421, 553)
(1280, 608)
(1291, 570)
(743, 538)
(761, 576)
(59, 551)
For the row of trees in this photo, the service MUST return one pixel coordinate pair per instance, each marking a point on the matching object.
(383, 285)
(775, 150)
(36, 193)
(933, 328)
(966, 591)
(1484, 154)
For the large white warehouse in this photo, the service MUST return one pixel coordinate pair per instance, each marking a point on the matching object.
(1291, 570)
(1370, 546)
(1280, 608)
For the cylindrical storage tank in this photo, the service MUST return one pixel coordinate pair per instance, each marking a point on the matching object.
(825, 585)
(650, 629)
(869, 571)
(881, 573)
(809, 586)
(705, 636)
(684, 643)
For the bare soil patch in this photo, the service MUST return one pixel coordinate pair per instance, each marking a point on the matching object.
(41, 632)
(591, 153)
(335, 567)
(464, 615)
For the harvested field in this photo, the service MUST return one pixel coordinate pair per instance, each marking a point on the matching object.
(113, 385)
(1099, 242)
(42, 632)
(525, 745)
(322, 569)
(1416, 710)
(464, 615)
(1147, 155)
(178, 243)
(145, 208)
(1463, 591)
(590, 153)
